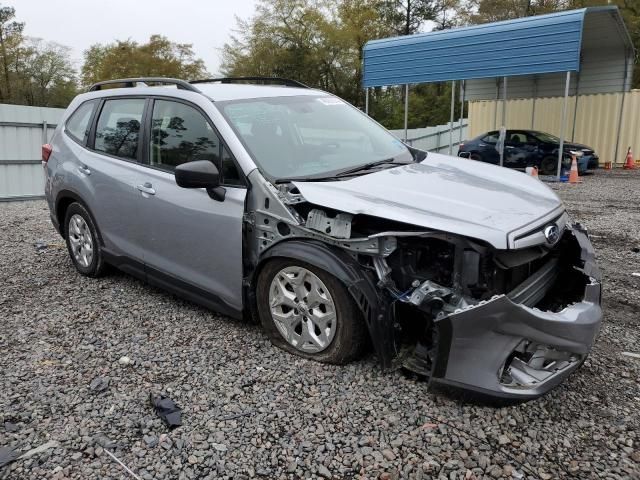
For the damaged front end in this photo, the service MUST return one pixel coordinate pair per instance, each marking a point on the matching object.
(509, 323)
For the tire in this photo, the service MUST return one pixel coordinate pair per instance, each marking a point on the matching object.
(81, 233)
(549, 165)
(348, 334)
(475, 156)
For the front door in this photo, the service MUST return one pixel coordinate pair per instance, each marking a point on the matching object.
(193, 242)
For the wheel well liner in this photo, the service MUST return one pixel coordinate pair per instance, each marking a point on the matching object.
(374, 305)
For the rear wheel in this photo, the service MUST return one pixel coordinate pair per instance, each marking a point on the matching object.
(475, 156)
(82, 241)
(306, 311)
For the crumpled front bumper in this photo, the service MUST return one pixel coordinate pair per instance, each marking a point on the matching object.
(477, 343)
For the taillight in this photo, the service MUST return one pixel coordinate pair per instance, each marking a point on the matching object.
(461, 146)
(46, 152)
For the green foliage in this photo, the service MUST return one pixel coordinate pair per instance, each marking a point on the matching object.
(32, 71)
(320, 43)
(158, 57)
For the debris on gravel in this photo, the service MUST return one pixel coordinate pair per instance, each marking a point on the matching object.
(250, 410)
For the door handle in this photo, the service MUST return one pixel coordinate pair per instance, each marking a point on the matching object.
(147, 188)
(84, 170)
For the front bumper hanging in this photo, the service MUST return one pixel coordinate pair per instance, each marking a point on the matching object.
(508, 350)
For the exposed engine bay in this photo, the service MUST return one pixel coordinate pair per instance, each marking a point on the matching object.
(435, 288)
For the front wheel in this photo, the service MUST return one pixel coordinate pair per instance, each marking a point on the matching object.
(307, 311)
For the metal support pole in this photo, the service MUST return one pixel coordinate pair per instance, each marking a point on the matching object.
(453, 107)
(503, 128)
(495, 111)
(462, 92)
(563, 127)
(533, 108)
(366, 100)
(575, 108)
(406, 112)
(624, 94)
(504, 104)
(45, 133)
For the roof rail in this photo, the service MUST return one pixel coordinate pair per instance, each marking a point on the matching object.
(131, 82)
(266, 80)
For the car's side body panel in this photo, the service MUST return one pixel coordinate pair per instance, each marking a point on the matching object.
(193, 237)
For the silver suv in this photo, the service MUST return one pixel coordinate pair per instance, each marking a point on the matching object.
(286, 203)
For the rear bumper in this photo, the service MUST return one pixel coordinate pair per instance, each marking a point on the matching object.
(479, 346)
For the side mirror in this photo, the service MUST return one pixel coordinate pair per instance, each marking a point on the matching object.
(198, 174)
(201, 174)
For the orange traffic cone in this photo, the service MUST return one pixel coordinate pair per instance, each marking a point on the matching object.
(573, 175)
(629, 164)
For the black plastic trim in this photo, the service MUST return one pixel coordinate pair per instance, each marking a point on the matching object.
(171, 284)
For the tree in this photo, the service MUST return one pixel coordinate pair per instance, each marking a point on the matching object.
(484, 11)
(408, 16)
(317, 42)
(45, 74)
(10, 39)
(126, 58)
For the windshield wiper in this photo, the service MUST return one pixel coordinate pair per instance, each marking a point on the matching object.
(343, 173)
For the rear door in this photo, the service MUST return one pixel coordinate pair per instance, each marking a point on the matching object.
(111, 165)
(193, 243)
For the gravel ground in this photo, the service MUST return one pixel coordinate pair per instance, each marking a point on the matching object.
(251, 410)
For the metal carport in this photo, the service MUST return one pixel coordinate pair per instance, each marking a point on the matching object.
(590, 47)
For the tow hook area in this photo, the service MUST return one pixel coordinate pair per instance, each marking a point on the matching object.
(532, 363)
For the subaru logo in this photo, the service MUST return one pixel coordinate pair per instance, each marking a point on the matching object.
(552, 234)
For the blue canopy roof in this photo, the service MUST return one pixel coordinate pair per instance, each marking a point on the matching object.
(525, 46)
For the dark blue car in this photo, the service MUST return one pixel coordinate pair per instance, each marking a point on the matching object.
(528, 148)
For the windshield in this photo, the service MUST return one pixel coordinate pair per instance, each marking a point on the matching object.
(302, 136)
(546, 137)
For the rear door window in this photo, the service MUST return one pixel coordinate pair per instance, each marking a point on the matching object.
(79, 122)
(118, 128)
(491, 137)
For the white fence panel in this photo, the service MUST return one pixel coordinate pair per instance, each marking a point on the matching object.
(23, 130)
(435, 139)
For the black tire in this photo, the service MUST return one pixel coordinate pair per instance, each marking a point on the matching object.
(475, 156)
(549, 165)
(350, 337)
(97, 266)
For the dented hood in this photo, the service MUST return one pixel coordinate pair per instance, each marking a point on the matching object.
(443, 193)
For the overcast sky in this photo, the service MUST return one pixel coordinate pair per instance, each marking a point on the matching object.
(207, 24)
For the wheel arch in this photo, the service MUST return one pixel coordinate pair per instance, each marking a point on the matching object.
(375, 308)
(63, 200)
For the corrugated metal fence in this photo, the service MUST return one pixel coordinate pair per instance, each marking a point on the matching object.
(23, 130)
(435, 139)
(597, 120)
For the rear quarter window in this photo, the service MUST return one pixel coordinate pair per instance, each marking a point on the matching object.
(79, 122)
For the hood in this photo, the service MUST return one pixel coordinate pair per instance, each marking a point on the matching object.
(443, 193)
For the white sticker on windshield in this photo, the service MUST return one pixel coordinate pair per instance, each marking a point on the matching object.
(330, 101)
